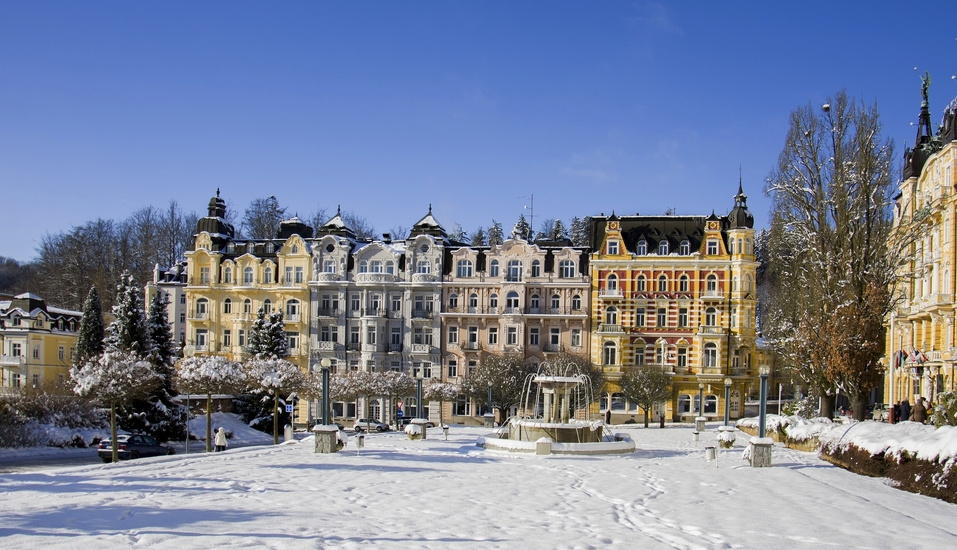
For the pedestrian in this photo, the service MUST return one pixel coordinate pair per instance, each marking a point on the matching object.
(905, 410)
(897, 413)
(919, 412)
(608, 417)
(220, 439)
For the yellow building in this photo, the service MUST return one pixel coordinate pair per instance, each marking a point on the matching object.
(679, 292)
(229, 280)
(37, 342)
(920, 334)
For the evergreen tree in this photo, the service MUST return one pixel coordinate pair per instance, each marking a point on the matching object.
(478, 238)
(496, 236)
(559, 231)
(267, 337)
(89, 340)
(580, 231)
(457, 234)
(128, 331)
(159, 414)
(163, 350)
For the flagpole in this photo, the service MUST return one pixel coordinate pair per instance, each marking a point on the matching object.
(895, 358)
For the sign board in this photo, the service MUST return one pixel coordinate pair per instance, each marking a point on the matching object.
(398, 413)
(288, 408)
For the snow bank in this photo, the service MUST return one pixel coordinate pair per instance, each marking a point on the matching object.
(895, 440)
(240, 432)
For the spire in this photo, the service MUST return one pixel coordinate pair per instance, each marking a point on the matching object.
(740, 187)
(217, 192)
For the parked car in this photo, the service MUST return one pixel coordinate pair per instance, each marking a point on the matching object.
(405, 421)
(133, 446)
(363, 424)
(880, 412)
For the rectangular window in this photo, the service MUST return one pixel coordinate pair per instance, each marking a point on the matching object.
(396, 302)
(417, 336)
(453, 335)
(682, 357)
(61, 353)
(576, 337)
(298, 275)
(453, 368)
(15, 349)
(473, 335)
(532, 336)
(396, 336)
(370, 335)
(36, 352)
(493, 336)
(227, 338)
(324, 334)
(613, 247)
(182, 316)
(640, 356)
(662, 317)
(640, 317)
(354, 302)
(712, 247)
(555, 336)
(201, 339)
(683, 317)
(36, 380)
(288, 275)
(353, 335)
(182, 298)
(204, 275)
(325, 304)
(511, 337)
(334, 333)
(472, 365)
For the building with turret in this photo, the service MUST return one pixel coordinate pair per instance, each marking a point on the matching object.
(678, 293)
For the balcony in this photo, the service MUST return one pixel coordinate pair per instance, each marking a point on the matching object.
(422, 313)
(423, 278)
(202, 347)
(328, 312)
(13, 360)
(712, 295)
(374, 277)
(610, 293)
(395, 348)
(471, 346)
(422, 348)
(375, 312)
(325, 345)
(935, 356)
(327, 277)
(353, 346)
(292, 318)
(199, 316)
(552, 347)
(705, 329)
(611, 328)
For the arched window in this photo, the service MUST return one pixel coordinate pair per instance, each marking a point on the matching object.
(473, 300)
(740, 248)
(363, 266)
(375, 266)
(514, 270)
(453, 301)
(663, 247)
(576, 302)
(463, 268)
(566, 269)
(710, 355)
(295, 249)
(747, 283)
(711, 284)
(329, 266)
(511, 300)
(493, 269)
(711, 317)
(228, 275)
(270, 248)
(536, 268)
(734, 283)
(730, 246)
(227, 306)
(683, 284)
(267, 275)
(685, 248)
(292, 307)
(247, 306)
(493, 301)
(747, 249)
(640, 283)
(202, 306)
(248, 275)
(711, 404)
(267, 306)
(684, 404)
(662, 284)
(534, 301)
(609, 354)
(611, 316)
(424, 267)
(641, 248)
(612, 282)
(556, 302)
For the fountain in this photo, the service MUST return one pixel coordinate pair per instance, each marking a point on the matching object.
(547, 423)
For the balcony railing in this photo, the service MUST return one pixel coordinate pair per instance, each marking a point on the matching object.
(422, 313)
(374, 277)
(471, 346)
(374, 312)
(423, 278)
(610, 328)
(327, 277)
(713, 295)
(325, 345)
(353, 346)
(199, 315)
(422, 348)
(552, 347)
(13, 360)
(610, 293)
(292, 318)
(706, 329)
(393, 348)
(328, 312)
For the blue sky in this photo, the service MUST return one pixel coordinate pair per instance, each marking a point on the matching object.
(386, 107)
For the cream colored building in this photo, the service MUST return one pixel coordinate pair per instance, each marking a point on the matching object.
(37, 342)
(921, 351)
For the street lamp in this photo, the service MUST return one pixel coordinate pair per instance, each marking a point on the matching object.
(701, 399)
(188, 351)
(727, 401)
(764, 370)
(489, 415)
(325, 363)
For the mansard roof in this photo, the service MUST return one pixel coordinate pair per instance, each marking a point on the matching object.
(336, 226)
(428, 225)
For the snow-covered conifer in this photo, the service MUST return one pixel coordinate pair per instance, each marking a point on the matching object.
(267, 337)
(478, 238)
(128, 331)
(496, 235)
(89, 339)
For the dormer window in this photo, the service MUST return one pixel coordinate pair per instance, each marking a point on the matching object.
(424, 267)
(251, 247)
(270, 248)
(612, 247)
(390, 267)
(231, 248)
(712, 247)
(295, 249)
(663, 248)
(641, 248)
(685, 248)
(375, 266)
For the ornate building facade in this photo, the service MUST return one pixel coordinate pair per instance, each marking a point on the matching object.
(37, 342)
(921, 352)
(677, 292)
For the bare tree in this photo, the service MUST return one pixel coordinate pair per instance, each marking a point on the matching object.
(262, 218)
(399, 232)
(827, 251)
(317, 218)
(361, 226)
(646, 386)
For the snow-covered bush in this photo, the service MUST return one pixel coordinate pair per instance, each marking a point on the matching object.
(806, 407)
(945, 411)
(726, 436)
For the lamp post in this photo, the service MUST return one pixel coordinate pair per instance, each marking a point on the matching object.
(489, 415)
(701, 399)
(764, 370)
(188, 351)
(418, 397)
(325, 363)
(727, 401)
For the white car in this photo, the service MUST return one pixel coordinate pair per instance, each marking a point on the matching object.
(363, 424)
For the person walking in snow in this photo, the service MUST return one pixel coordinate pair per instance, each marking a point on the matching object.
(919, 412)
(905, 410)
(220, 439)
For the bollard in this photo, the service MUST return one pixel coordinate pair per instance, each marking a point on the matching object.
(694, 437)
(288, 433)
(360, 442)
(445, 430)
(710, 453)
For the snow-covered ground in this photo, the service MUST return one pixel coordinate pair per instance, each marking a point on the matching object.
(399, 493)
